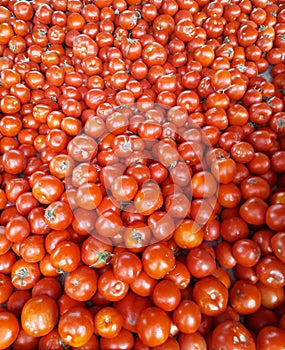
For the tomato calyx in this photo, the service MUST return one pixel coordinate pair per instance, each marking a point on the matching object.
(105, 257)
(49, 213)
(242, 68)
(62, 343)
(137, 236)
(64, 165)
(42, 32)
(127, 145)
(21, 274)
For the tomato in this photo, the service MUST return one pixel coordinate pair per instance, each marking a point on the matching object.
(229, 195)
(261, 318)
(17, 229)
(58, 215)
(271, 297)
(232, 335)
(6, 288)
(124, 188)
(148, 199)
(192, 341)
(14, 161)
(211, 296)
(245, 298)
(96, 253)
(9, 328)
(126, 266)
(124, 339)
(143, 284)
(274, 213)
(200, 262)
(130, 307)
(111, 288)
(108, 322)
(32, 249)
(255, 186)
(25, 275)
(52, 339)
(154, 54)
(81, 283)
(166, 295)
(153, 326)
(32, 313)
(65, 256)
(188, 234)
(158, 260)
(270, 338)
(142, 173)
(270, 271)
(48, 286)
(203, 185)
(187, 316)
(70, 326)
(277, 242)
(47, 189)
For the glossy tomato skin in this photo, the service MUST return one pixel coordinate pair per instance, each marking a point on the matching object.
(157, 260)
(124, 339)
(32, 312)
(70, 326)
(211, 295)
(153, 326)
(270, 338)
(187, 317)
(108, 322)
(232, 335)
(9, 328)
(81, 284)
(111, 288)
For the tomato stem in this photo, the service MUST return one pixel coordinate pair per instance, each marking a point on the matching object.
(21, 274)
(49, 214)
(104, 257)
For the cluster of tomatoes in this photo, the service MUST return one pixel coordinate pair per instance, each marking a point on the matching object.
(142, 197)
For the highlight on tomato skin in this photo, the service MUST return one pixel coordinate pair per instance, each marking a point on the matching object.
(142, 174)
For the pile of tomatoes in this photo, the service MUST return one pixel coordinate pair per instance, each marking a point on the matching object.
(142, 173)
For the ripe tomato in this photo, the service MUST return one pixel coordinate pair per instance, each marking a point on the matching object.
(211, 296)
(65, 256)
(126, 266)
(269, 338)
(81, 283)
(245, 297)
(47, 189)
(153, 326)
(232, 335)
(25, 275)
(274, 215)
(111, 288)
(158, 260)
(187, 316)
(124, 339)
(108, 322)
(9, 328)
(58, 215)
(39, 315)
(166, 295)
(70, 326)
